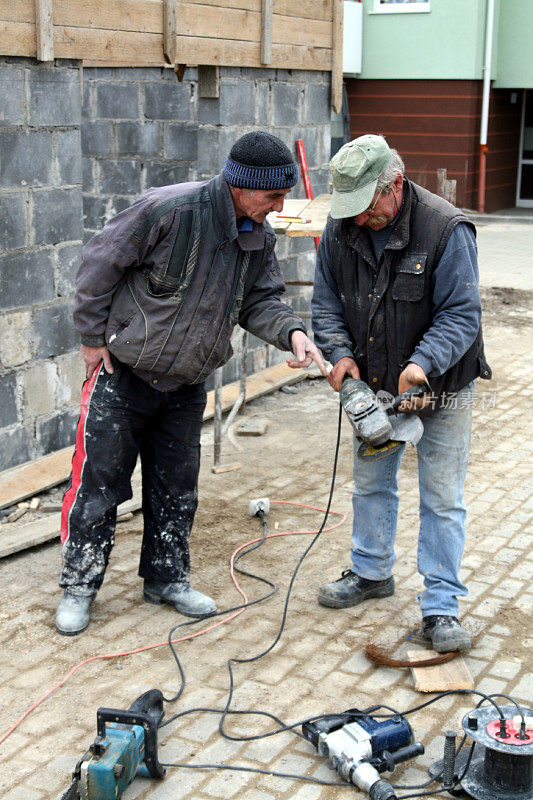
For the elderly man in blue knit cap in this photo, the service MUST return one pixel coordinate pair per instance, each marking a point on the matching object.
(158, 294)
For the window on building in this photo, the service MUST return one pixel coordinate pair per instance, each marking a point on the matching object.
(400, 6)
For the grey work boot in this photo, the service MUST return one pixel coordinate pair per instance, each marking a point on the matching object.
(350, 590)
(187, 601)
(72, 615)
(445, 633)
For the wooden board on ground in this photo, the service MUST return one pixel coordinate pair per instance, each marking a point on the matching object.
(26, 480)
(317, 211)
(441, 677)
(14, 538)
(32, 477)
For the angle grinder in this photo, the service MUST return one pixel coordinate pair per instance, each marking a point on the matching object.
(377, 425)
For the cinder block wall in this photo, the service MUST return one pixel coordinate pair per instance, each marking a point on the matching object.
(103, 136)
(41, 230)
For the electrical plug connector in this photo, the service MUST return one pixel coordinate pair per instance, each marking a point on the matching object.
(259, 504)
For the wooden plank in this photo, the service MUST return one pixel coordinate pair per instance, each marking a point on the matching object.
(267, 11)
(20, 537)
(208, 81)
(317, 211)
(128, 48)
(26, 480)
(336, 68)
(44, 23)
(441, 677)
(307, 9)
(46, 529)
(170, 30)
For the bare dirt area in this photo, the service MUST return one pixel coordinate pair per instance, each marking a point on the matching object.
(318, 666)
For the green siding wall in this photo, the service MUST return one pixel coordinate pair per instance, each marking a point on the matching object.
(447, 42)
(515, 45)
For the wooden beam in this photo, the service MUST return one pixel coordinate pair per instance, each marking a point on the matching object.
(44, 26)
(267, 14)
(170, 30)
(208, 81)
(336, 68)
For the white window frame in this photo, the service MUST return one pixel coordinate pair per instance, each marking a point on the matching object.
(400, 8)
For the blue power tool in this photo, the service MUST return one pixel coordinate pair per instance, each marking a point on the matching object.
(360, 747)
(126, 746)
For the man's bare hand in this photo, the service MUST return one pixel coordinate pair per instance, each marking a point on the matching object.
(92, 357)
(305, 351)
(344, 366)
(413, 375)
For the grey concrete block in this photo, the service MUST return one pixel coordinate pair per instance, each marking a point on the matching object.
(137, 73)
(54, 96)
(120, 177)
(69, 259)
(317, 104)
(97, 138)
(54, 330)
(262, 104)
(213, 148)
(39, 384)
(300, 244)
(230, 72)
(56, 432)
(69, 156)
(119, 204)
(181, 142)
(235, 106)
(57, 216)
(258, 73)
(26, 158)
(289, 268)
(98, 73)
(88, 94)
(95, 211)
(12, 96)
(26, 278)
(164, 173)
(14, 447)
(117, 100)
(167, 100)
(87, 170)
(8, 402)
(320, 180)
(13, 211)
(15, 345)
(287, 104)
(138, 138)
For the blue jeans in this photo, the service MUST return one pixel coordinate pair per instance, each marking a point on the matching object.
(442, 461)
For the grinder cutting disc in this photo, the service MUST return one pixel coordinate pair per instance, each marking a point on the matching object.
(405, 428)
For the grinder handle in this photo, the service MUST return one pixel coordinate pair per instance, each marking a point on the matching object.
(150, 702)
(415, 391)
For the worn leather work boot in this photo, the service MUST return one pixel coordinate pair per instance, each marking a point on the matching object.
(187, 601)
(350, 590)
(445, 633)
(72, 615)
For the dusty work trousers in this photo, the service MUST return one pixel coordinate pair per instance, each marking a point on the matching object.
(122, 416)
(442, 461)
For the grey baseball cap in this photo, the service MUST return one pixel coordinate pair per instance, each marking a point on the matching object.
(355, 170)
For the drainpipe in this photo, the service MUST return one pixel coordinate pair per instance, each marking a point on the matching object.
(483, 149)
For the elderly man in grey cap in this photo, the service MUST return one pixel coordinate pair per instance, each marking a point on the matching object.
(396, 304)
(158, 294)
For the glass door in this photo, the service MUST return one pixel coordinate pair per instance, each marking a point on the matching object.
(524, 187)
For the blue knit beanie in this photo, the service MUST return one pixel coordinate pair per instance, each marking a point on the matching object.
(260, 160)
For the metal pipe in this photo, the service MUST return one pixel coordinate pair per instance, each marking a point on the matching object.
(218, 416)
(486, 69)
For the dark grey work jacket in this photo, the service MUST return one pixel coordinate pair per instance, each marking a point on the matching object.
(388, 307)
(165, 282)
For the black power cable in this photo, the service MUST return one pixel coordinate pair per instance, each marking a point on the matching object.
(292, 727)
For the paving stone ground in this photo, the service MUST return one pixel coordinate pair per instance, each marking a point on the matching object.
(318, 666)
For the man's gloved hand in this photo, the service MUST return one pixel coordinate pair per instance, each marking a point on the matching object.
(412, 376)
(305, 351)
(92, 357)
(344, 366)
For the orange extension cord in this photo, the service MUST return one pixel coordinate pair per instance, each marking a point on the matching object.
(50, 691)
